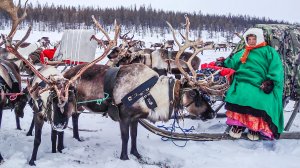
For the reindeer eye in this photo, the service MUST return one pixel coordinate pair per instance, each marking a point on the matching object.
(192, 93)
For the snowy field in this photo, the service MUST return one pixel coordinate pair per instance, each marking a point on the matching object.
(101, 146)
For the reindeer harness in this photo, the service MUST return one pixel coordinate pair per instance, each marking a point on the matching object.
(109, 82)
(142, 91)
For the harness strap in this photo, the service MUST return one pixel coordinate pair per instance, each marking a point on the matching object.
(169, 60)
(171, 95)
(142, 91)
(177, 96)
(110, 80)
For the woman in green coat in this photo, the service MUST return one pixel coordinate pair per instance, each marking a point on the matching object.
(254, 99)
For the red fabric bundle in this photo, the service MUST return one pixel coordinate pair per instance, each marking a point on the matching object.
(48, 53)
(227, 72)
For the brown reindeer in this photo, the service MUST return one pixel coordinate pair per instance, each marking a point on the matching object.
(54, 98)
(100, 42)
(156, 45)
(169, 44)
(161, 60)
(10, 80)
(232, 45)
(219, 46)
(160, 97)
(10, 87)
(91, 86)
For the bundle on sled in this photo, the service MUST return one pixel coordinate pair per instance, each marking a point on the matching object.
(74, 48)
(220, 78)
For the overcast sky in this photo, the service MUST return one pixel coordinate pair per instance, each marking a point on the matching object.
(287, 10)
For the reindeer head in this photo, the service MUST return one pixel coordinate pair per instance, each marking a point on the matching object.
(46, 98)
(44, 42)
(195, 103)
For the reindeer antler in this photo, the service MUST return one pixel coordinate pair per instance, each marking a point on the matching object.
(183, 47)
(12, 10)
(207, 84)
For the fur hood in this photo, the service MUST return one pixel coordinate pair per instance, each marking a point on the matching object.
(259, 35)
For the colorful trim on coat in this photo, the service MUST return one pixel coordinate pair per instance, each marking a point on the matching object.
(256, 113)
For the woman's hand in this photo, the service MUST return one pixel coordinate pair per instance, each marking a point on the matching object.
(220, 61)
(267, 86)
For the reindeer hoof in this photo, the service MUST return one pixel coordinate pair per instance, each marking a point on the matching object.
(59, 149)
(136, 154)
(78, 139)
(29, 134)
(31, 163)
(125, 157)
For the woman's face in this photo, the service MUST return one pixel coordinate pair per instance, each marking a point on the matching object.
(251, 41)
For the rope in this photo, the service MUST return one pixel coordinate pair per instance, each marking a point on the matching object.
(190, 130)
(13, 96)
(173, 127)
(98, 101)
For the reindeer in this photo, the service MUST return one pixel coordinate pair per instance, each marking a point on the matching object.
(44, 90)
(48, 100)
(10, 73)
(219, 46)
(10, 78)
(44, 42)
(46, 104)
(163, 95)
(169, 44)
(10, 87)
(160, 60)
(99, 41)
(232, 45)
(157, 45)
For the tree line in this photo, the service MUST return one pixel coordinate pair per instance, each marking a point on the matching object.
(59, 17)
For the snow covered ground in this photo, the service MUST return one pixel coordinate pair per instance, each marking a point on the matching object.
(101, 146)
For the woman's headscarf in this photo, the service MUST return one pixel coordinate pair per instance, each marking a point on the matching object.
(260, 42)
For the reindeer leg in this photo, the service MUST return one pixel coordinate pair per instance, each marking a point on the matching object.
(38, 123)
(124, 127)
(18, 123)
(75, 117)
(1, 110)
(133, 135)
(53, 139)
(60, 143)
(29, 133)
(1, 158)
